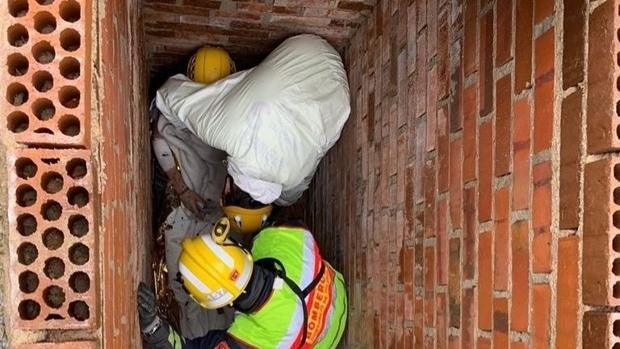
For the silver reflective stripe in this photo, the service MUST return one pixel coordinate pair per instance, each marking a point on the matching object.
(309, 260)
(219, 251)
(193, 279)
(294, 327)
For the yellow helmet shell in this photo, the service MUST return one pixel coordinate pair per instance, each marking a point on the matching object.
(210, 64)
(214, 275)
(247, 220)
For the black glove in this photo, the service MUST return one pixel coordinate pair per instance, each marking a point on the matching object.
(147, 308)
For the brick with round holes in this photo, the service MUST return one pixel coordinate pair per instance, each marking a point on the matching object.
(601, 232)
(52, 239)
(46, 95)
(603, 73)
(600, 330)
(62, 345)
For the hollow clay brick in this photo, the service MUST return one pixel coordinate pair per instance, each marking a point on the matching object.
(600, 242)
(429, 285)
(503, 116)
(541, 217)
(56, 161)
(523, 44)
(442, 242)
(443, 59)
(431, 26)
(520, 277)
(501, 270)
(567, 309)
(454, 283)
(443, 151)
(456, 184)
(542, 10)
(541, 306)
(504, 32)
(429, 197)
(521, 155)
(421, 75)
(570, 160)
(470, 47)
(603, 72)
(63, 345)
(486, 63)
(442, 318)
(468, 317)
(485, 169)
(574, 42)
(456, 84)
(469, 133)
(500, 323)
(485, 281)
(50, 131)
(483, 343)
(544, 91)
(469, 233)
(598, 330)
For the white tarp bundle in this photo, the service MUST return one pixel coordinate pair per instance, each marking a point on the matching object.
(275, 121)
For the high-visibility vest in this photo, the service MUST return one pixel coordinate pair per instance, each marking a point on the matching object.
(282, 322)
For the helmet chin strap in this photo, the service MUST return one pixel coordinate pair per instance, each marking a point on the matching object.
(257, 291)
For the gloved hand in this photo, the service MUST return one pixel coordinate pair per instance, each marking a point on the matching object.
(190, 199)
(147, 307)
(194, 203)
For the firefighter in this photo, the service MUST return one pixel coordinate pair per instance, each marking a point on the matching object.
(196, 173)
(284, 293)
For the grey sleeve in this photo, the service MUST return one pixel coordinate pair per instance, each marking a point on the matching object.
(163, 153)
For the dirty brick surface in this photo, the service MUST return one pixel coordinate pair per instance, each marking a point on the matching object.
(47, 72)
(52, 250)
(65, 345)
(48, 240)
(472, 200)
(461, 203)
(248, 29)
(3, 245)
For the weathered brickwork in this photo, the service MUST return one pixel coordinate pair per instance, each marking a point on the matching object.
(462, 189)
(47, 71)
(51, 230)
(248, 29)
(471, 201)
(64, 345)
(53, 255)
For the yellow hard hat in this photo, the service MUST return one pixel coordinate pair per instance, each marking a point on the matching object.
(210, 64)
(247, 220)
(214, 270)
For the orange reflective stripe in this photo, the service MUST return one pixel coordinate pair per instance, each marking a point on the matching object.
(319, 305)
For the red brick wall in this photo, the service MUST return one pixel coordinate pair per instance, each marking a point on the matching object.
(248, 29)
(471, 201)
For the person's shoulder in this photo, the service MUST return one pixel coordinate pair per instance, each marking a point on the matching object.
(282, 231)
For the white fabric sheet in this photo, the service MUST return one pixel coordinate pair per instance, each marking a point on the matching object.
(275, 121)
